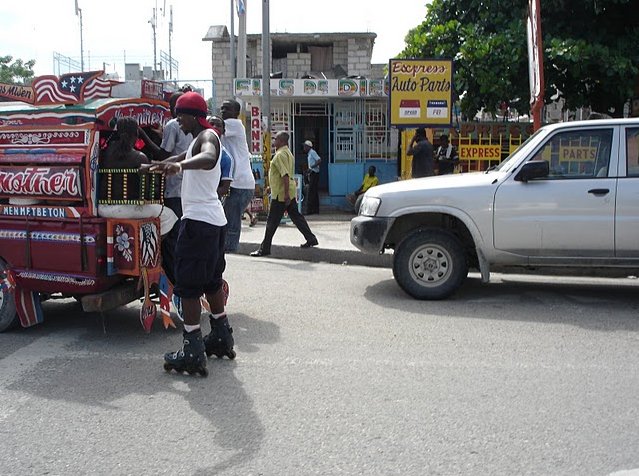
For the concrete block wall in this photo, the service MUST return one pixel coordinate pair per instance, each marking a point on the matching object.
(221, 72)
(340, 53)
(298, 64)
(359, 57)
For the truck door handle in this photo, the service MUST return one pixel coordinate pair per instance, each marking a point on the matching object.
(599, 191)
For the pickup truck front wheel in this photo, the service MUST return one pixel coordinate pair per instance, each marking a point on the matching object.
(430, 264)
(8, 315)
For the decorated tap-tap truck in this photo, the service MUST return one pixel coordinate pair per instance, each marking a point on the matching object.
(53, 242)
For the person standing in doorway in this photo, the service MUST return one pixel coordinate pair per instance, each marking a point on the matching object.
(314, 161)
(282, 183)
(422, 151)
(243, 187)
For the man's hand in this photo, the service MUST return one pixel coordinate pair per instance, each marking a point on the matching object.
(167, 168)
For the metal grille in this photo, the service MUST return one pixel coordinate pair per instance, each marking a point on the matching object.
(375, 132)
(311, 109)
(281, 118)
(345, 121)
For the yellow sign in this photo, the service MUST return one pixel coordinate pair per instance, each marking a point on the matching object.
(421, 92)
(479, 152)
(577, 154)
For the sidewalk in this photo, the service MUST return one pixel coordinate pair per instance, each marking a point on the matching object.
(333, 233)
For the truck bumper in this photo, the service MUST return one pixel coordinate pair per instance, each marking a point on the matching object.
(368, 233)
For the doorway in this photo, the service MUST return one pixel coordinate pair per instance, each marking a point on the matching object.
(315, 129)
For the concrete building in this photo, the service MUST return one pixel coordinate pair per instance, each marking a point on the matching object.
(324, 89)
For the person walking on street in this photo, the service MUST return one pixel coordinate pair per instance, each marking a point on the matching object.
(199, 251)
(243, 186)
(422, 151)
(314, 161)
(280, 177)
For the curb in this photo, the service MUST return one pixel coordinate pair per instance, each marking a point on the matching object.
(322, 255)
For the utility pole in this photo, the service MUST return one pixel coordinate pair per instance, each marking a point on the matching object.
(232, 48)
(153, 22)
(266, 84)
(170, 35)
(535, 62)
(241, 42)
(78, 12)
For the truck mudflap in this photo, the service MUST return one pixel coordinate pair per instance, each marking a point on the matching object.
(368, 233)
(28, 307)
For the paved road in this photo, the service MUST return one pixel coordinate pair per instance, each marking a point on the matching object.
(338, 372)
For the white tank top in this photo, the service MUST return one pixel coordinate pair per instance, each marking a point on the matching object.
(199, 193)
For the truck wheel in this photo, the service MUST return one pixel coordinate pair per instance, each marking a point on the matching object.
(430, 264)
(8, 315)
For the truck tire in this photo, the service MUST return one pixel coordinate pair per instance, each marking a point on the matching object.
(430, 264)
(8, 315)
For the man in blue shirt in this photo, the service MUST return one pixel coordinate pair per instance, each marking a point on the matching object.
(314, 162)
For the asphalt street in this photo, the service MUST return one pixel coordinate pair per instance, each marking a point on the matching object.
(338, 372)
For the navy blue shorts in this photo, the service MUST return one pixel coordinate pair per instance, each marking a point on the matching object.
(199, 259)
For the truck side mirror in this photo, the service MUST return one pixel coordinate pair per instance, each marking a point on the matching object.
(533, 169)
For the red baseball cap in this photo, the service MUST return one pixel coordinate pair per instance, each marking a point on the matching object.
(195, 105)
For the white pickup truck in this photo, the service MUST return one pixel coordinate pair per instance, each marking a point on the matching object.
(567, 201)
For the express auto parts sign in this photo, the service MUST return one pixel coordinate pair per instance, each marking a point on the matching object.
(421, 92)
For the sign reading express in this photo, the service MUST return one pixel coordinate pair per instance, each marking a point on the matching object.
(420, 92)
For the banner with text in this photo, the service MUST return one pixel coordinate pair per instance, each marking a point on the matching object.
(421, 92)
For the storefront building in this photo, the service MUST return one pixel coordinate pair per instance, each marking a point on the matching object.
(323, 89)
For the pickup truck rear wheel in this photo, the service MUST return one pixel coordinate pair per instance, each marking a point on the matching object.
(8, 315)
(430, 264)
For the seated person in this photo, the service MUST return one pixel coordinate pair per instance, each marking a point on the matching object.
(120, 154)
(370, 180)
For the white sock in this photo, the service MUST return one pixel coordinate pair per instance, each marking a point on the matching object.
(188, 328)
(217, 316)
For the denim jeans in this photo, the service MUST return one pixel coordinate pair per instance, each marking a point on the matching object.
(234, 206)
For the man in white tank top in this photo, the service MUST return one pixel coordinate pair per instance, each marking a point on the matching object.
(199, 250)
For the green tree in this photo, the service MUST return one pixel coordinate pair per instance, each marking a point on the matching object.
(15, 72)
(591, 51)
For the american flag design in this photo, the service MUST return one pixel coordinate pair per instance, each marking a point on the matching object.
(28, 307)
(166, 293)
(7, 281)
(72, 88)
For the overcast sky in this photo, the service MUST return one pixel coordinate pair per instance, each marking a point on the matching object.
(115, 31)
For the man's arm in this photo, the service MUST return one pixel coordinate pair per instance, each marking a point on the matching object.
(285, 184)
(158, 152)
(316, 159)
(223, 188)
(207, 156)
(205, 159)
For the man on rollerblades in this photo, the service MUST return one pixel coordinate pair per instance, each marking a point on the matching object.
(199, 250)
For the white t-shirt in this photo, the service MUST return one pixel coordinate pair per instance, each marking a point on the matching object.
(234, 139)
(199, 194)
(174, 141)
